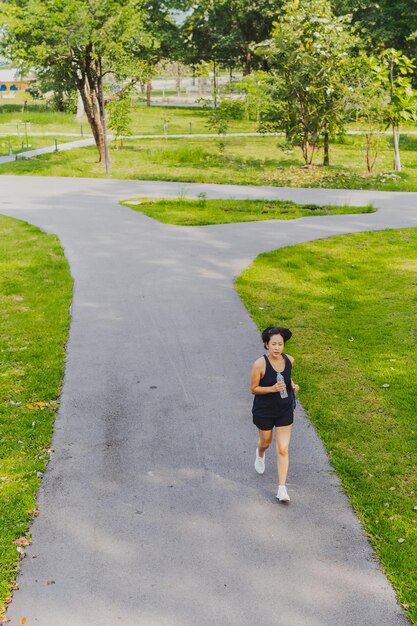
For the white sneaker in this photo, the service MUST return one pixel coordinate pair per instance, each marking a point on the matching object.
(282, 494)
(259, 462)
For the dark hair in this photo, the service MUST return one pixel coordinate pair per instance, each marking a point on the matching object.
(275, 330)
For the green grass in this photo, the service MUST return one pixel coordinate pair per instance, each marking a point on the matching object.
(144, 120)
(35, 293)
(247, 160)
(20, 144)
(186, 212)
(350, 302)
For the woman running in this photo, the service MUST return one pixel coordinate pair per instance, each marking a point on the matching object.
(274, 402)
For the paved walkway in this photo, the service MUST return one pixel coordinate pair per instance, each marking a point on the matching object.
(151, 512)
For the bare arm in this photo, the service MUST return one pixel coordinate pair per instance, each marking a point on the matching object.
(294, 385)
(256, 376)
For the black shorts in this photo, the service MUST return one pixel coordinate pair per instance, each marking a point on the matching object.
(268, 423)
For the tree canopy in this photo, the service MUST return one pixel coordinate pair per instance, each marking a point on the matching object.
(392, 24)
(80, 42)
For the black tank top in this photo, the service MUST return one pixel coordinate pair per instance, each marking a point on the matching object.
(271, 404)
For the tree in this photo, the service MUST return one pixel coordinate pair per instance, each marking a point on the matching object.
(394, 72)
(82, 41)
(369, 102)
(251, 23)
(309, 55)
(119, 116)
(159, 20)
(226, 31)
(389, 23)
(253, 86)
(219, 118)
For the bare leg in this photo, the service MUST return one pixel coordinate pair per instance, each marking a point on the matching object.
(283, 436)
(265, 438)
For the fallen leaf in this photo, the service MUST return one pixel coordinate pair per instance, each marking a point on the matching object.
(50, 582)
(351, 339)
(401, 540)
(19, 298)
(22, 541)
(415, 508)
(406, 607)
(385, 385)
(40, 403)
(331, 308)
(23, 620)
(30, 406)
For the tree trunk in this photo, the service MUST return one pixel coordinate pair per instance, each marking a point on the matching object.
(397, 158)
(368, 139)
(178, 78)
(248, 60)
(326, 159)
(214, 83)
(304, 148)
(200, 87)
(90, 95)
(148, 93)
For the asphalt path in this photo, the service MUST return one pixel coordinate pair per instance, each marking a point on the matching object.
(151, 513)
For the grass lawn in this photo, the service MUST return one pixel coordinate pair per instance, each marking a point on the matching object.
(35, 293)
(19, 144)
(246, 160)
(144, 120)
(186, 212)
(350, 302)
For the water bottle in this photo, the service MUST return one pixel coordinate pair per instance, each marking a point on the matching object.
(280, 379)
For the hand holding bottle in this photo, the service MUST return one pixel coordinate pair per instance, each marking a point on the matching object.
(280, 386)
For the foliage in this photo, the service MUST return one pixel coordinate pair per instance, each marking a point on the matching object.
(393, 71)
(253, 86)
(219, 118)
(78, 43)
(119, 118)
(369, 103)
(383, 24)
(225, 31)
(310, 59)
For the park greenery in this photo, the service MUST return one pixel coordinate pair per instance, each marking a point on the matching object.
(242, 160)
(75, 44)
(201, 212)
(311, 72)
(306, 65)
(35, 295)
(352, 301)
